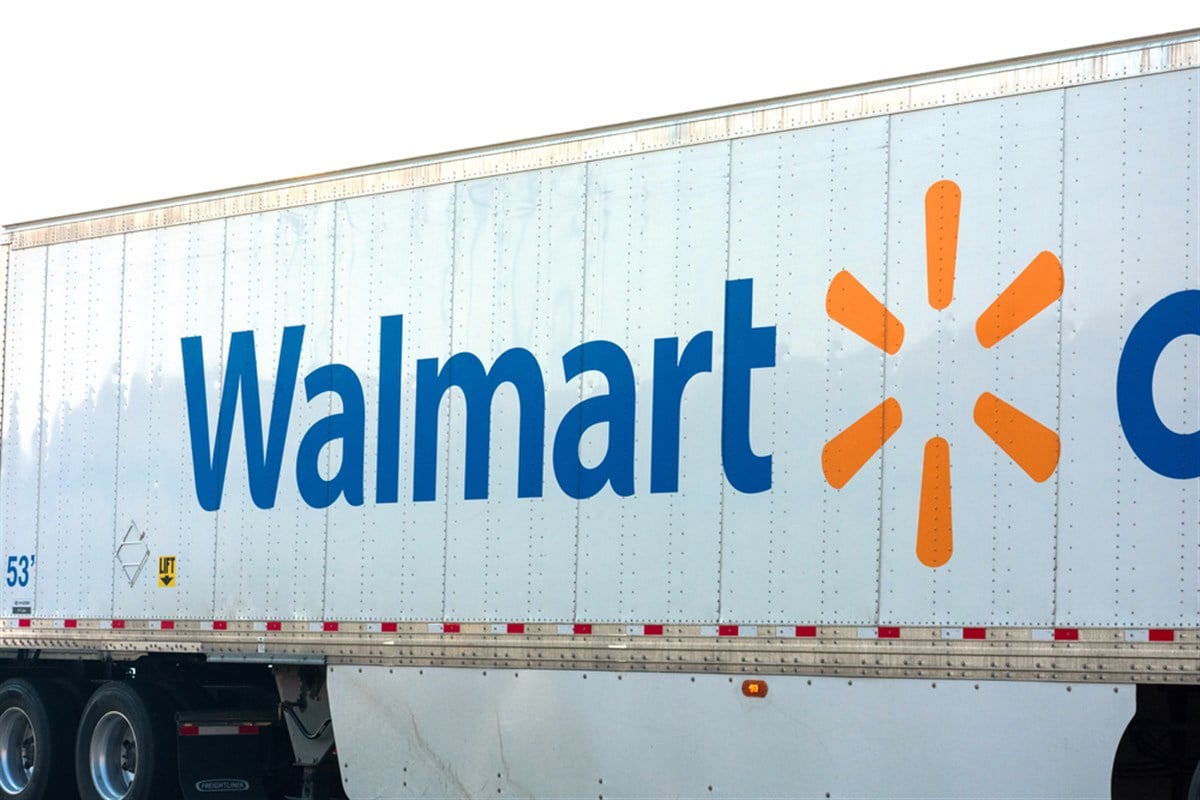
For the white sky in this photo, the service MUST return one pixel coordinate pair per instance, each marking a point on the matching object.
(110, 103)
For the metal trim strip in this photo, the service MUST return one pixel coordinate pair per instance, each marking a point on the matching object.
(1104, 655)
(1021, 76)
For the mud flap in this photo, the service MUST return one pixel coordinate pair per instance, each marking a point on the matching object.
(223, 754)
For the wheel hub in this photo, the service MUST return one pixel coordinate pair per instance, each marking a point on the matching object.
(113, 756)
(18, 750)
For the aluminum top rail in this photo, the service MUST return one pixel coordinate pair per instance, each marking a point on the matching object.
(1076, 67)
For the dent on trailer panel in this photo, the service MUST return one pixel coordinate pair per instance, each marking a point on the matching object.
(1127, 553)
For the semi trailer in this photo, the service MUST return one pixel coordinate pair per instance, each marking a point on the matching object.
(839, 445)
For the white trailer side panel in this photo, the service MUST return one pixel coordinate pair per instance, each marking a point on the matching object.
(278, 273)
(23, 426)
(1005, 158)
(173, 287)
(1129, 538)
(632, 251)
(517, 282)
(927, 351)
(388, 561)
(476, 734)
(655, 269)
(77, 484)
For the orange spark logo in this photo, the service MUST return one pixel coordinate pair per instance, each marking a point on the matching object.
(1032, 446)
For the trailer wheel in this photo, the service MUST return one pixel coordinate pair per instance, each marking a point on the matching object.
(36, 727)
(124, 749)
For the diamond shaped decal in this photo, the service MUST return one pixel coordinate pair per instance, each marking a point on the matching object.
(132, 553)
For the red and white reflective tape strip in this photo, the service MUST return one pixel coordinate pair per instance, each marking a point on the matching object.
(586, 629)
(964, 633)
(268, 625)
(322, 627)
(729, 630)
(1150, 635)
(798, 631)
(1054, 634)
(218, 730)
(879, 632)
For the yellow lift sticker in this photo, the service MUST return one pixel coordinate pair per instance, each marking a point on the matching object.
(166, 572)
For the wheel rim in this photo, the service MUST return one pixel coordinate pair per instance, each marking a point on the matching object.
(17, 750)
(113, 756)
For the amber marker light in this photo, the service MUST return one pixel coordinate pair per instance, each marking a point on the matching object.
(755, 688)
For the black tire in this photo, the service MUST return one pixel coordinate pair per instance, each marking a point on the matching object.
(37, 724)
(125, 749)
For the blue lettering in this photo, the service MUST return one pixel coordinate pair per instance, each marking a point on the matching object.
(746, 348)
(387, 457)
(1171, 454)
(241, 377)
(617, 409)
(347, 426)
(670, 376)
(464, 370)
